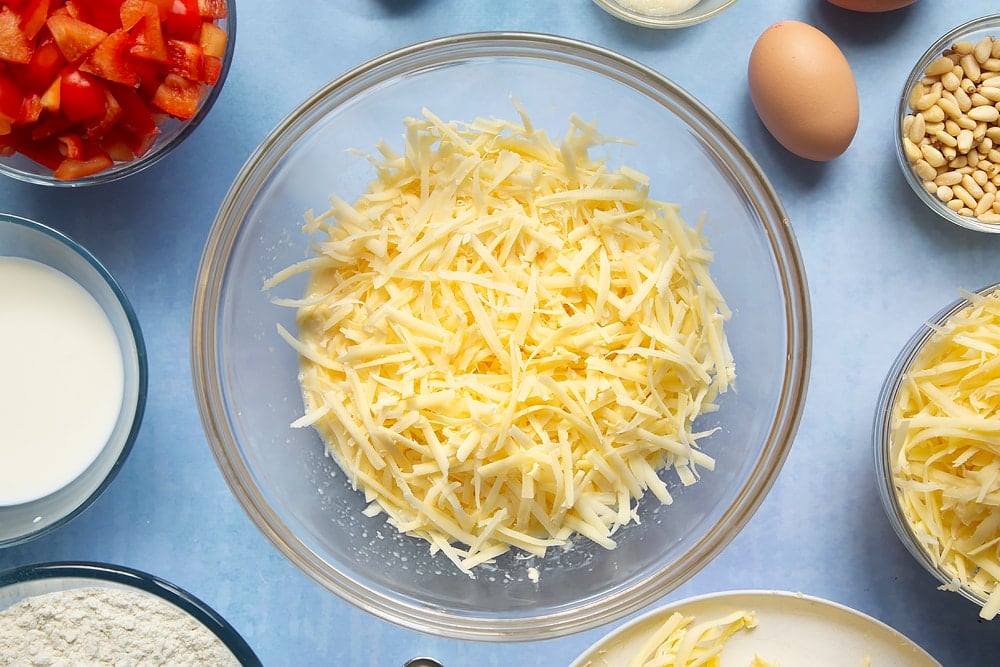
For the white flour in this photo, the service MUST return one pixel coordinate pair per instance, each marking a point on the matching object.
(87, 627)
(659, 7)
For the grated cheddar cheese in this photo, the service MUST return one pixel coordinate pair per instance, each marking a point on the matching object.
(679, 642)
(503, 341)
(945, 450)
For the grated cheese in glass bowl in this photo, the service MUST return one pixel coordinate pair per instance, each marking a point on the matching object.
(468, 361)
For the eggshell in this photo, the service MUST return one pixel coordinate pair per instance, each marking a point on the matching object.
(803, 90)
(871, 6)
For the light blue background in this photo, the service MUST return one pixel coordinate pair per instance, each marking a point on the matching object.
(878, 265)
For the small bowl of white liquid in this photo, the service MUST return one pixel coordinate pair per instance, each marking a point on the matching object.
(72, 379)
(665, 13)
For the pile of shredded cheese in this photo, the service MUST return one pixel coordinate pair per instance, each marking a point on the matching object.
(946, 448)
(678, 643)
(503, 340)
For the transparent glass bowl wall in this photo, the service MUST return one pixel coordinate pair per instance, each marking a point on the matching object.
(20, 237)
(172, 132)
(882, 442)
(245, 375)
(972, 31)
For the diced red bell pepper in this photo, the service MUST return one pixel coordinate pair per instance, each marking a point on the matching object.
(136, 119)
(212, 9)
(52, 97)
(33, 17)
(15, 46)
(11, 99)
(43, 150)
(75, 38)
(82, 96)
(31, 109)
(98, 126)
(72, 169)
(43, 68)
(116, 144)
(212, 39)
(183, 20)
(178, 96)
(16, 5)
(185, 59)
(142, 19)
(111, 60)
(211, 70)
(70, 145)
(100, 13)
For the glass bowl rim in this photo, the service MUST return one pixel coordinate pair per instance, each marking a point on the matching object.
(617, 603)
(687, 18)
(882, 439)
(120, 170)
(991, 21)
(143, 581)
(142, 368)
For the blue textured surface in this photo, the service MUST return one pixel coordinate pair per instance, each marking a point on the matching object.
(878, 265)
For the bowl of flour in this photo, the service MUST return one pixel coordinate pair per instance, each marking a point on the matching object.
(75, 613)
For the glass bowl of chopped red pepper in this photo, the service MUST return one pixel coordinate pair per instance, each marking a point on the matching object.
(509, 519)
(94, 90)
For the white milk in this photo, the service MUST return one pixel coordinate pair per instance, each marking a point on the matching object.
(61, 379)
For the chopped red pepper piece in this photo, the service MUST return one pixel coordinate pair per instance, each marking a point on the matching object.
(183, 20)
(11, 99)
(184, 58)
(14, 44)
(81, 96)
(178, 96)
(142, 19)
(33, 17)
(212, 9)
(212, 39)
(43, 68)
(111, 60)
(75, 38)
(71, 169)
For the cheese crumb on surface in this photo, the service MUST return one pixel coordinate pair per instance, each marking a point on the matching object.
(945, 452)
(503, 341)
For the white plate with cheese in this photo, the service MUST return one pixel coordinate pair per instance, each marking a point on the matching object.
(757, 629)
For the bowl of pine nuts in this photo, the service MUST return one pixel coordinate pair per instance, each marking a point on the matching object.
(948, 138)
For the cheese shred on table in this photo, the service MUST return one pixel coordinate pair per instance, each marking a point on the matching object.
(503, 340)
(946, 448)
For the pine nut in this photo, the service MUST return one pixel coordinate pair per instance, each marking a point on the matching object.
(944, 193)
(982, 50)
(946, 139)
(924, 170)
(985, 114)
(949, 107)
(963, 48)
(954, 204)
(964, 141)
(965, 196)
(950, 81)
(938, 67)
(932, 155)
(935, 114)
(971, 67)
(985, 203)
(948, 178)
(918, 128)
(973, 188)
(989, 218)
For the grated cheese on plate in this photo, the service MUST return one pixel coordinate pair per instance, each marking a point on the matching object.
(680, 642)
(503, 341)
(946, 448)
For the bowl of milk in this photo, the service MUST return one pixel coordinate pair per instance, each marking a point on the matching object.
(73, 376)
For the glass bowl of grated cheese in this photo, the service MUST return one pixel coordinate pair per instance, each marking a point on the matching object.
(936, 431)
(502, 366)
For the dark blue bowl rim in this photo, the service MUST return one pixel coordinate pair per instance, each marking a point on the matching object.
(149, 583)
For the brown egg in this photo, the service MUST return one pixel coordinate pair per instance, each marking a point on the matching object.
(803, 90)
(871, 6)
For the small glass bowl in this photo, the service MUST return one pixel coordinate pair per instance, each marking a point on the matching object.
(20, 583)
(702, 11)
(20, 237)
(971, 31)
(172, 132)
(883, 439)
